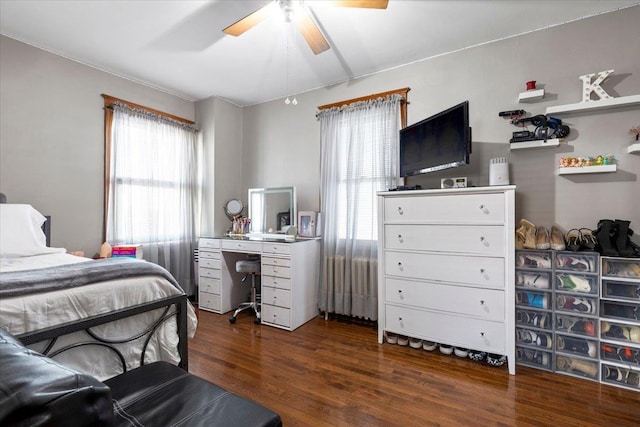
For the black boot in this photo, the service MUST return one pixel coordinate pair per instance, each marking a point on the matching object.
(603, 235)
(622, 239)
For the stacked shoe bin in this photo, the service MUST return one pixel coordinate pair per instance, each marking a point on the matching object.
(557, 311)
(620, 322)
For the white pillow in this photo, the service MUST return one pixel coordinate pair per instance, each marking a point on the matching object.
(21, 231)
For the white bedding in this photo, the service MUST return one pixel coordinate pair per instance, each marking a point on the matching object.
(33, 312)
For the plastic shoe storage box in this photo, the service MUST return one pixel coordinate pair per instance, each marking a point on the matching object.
(577, 366)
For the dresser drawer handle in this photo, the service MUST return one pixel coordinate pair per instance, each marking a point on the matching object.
(484, 209)
(481, 302)
(400, 238)
(400, 211)
(400, 294)
(400, 267)
(482, 334)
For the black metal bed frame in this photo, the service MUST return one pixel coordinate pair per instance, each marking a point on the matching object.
(53, 332)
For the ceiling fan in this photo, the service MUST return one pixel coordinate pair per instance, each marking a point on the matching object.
(298, 12)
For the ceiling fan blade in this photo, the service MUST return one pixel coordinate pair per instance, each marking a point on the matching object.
(369, 4)
(250, 20)
(311, 32)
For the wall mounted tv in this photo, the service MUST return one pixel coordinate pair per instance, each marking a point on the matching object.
(438, 142)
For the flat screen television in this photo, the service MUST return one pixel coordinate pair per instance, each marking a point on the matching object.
(438, 142)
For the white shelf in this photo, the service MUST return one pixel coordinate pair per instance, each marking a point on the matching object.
(587, 169)
(621, 101)
(530, 95)
(535, 144)
(634, 148)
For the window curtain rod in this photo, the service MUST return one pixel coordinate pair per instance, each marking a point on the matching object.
(403, 92)
(111, 102)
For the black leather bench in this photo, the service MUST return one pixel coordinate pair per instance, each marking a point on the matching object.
(37, 391)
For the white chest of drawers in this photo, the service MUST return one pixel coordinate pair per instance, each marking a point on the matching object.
(446, 267)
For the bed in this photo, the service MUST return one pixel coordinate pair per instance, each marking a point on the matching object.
(102, 317)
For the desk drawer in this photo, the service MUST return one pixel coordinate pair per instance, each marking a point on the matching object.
(476, 239)
(209, 254)
(209, 243)
(209, 263)
(445, 209)
(276, 282)
(242, 246)
(482, 303)
(276, 248)
(209, 272)
(209, 301)
(274, 270)
(467, 270)
(276, 315)
(276, 262)
(277, 297)
(209, 285)
(445, 328)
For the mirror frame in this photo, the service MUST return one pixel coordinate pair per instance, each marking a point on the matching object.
(230, 214)
(293, 203)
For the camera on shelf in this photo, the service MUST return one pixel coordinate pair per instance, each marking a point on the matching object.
(545, 128)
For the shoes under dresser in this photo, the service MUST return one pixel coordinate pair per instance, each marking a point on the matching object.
(446, 267)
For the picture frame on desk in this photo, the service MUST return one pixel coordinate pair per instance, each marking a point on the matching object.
(307, 223)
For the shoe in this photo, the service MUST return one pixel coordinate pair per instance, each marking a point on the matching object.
(556, 239)
(496, 359)
(589, 241)
(571, 303)
(461, 352)
(415, 343)
(532, 280)
(526, 235)
(534, 260)
(577, 345)
(573, 283)
(391, 338)
(477, 356)
(403, 341)
(603, 238)
(622, 238)
(542, 238)
(574, 240)
(429, 345)
(446, 349)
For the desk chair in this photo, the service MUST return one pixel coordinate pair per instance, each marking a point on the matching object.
(251, 267)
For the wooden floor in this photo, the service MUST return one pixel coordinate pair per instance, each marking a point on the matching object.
(334, 373)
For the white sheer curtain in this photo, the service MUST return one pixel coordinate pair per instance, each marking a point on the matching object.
(359, 157)
(154, 189)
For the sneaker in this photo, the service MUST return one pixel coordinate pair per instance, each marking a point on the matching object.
(496, 359)
(446, 349)
(429, 345)
(477, 356)
(532, 280)
(415, 343)
(403, 341)
(391, 338)
(577, 345)
(573, 283)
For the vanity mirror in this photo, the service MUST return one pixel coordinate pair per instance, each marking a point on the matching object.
(271, 209)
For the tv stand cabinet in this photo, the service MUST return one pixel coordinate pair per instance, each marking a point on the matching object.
(446, 267)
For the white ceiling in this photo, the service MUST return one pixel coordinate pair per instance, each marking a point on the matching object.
(179, 47)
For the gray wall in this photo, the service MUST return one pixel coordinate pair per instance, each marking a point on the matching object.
(281, 142)
(51, 140)
(52, 137)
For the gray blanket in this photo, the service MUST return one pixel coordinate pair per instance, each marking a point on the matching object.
(40, 280)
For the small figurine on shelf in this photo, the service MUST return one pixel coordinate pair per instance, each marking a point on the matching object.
(635, 131)
(609, 159)
(588, 161)
(599, 161)
(574, 162)
(580, 162)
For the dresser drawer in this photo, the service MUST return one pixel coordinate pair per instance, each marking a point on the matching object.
(276, 262)
(482, 303)
(209, 263)
(208, 301)
(209, 272)
(446, 328)
(276, 282)
(209, 254)
(467, 270)
(274, 270)
(276, 248)
(475, 239)
(209, 285)
(209, 243)
(242, 246)
(277, 315)
(277, 297)
(445, 209)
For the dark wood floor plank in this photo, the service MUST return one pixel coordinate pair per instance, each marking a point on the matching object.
(334, 373)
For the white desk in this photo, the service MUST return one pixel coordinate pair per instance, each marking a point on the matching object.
(289, 278)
